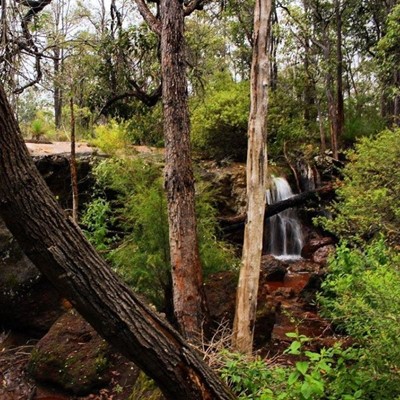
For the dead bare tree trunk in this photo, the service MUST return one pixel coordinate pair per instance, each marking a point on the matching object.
(246, 299)
(60, 251)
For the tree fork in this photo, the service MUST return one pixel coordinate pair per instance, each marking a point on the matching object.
(58, 248)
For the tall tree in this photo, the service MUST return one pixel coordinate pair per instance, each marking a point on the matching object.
(60, 251)
(256, 175)
(188, 293)
(189, 299)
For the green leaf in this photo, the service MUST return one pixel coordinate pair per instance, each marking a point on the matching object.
(302, 367)
(312, 356)
(293, 377)
(294, 348)
(307, 390)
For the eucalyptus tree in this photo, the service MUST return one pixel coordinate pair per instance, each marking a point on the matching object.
(256, 177)
(56, 245)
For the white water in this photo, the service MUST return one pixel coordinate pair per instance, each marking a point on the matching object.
(283, 231)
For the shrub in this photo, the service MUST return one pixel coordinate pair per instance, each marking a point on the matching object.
(369, 198)
(328, 374)
(111, 138)
(361, 296)
(139, 210)
(219, 122)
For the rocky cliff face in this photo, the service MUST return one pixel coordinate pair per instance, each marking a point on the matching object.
(28, 302)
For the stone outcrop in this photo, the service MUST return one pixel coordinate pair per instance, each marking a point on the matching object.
(28, 302)
(273, 269)
(74, 357)
(314, 244)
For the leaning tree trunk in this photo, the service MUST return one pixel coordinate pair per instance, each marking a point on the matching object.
(246, 300)
(60, 251)
(189, 300)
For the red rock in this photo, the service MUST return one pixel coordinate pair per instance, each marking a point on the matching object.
(314, 244)
(322, 254)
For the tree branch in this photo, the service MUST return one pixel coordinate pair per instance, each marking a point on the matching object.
(193, 5)
(35, 7)
(153, 22)
(149, 99)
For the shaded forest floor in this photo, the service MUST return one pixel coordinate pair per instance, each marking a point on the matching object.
(286, 304)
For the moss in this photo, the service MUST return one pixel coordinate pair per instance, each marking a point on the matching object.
(145, 388)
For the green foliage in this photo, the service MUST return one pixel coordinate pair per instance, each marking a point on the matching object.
(219, 122)
(111, 138)
(141, 253)
(369, 198)
(41, 126)
(83, 122)
(96, 220)
(286, 122)
(128, 55)
(145, 127)
(205, 50)
(361, 296)
(362, 119)
(388, 55)
(145, 389)
(328, 374)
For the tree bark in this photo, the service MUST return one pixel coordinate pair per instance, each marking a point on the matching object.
(339, 76)
(74, 172)
(57, 88)
(187, 278)
(246, 300)
(60, 251)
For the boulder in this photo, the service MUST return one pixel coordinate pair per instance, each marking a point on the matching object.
(273, 269)
(28, 302)
(74, 357)
(322, 254)
(314, 244)
(309, 292)
(220, 290)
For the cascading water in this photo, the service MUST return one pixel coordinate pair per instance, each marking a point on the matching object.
(284, 236)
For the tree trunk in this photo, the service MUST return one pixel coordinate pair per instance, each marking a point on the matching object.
(60, 251)
(332, 112)
(321, 129)
(74, 172)
(246, 300)
(57, 88)
(396, 100)
(339, 76)
(189, 299)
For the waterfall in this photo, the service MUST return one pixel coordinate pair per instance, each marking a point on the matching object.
(283, 233)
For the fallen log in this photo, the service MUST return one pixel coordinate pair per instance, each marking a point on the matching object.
(230, 224)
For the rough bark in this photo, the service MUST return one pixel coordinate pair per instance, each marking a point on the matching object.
(57, 89)
(246, 300)
(332, 110)
(74, 172)
(189, 299)
(60, 251)
(339, 75)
